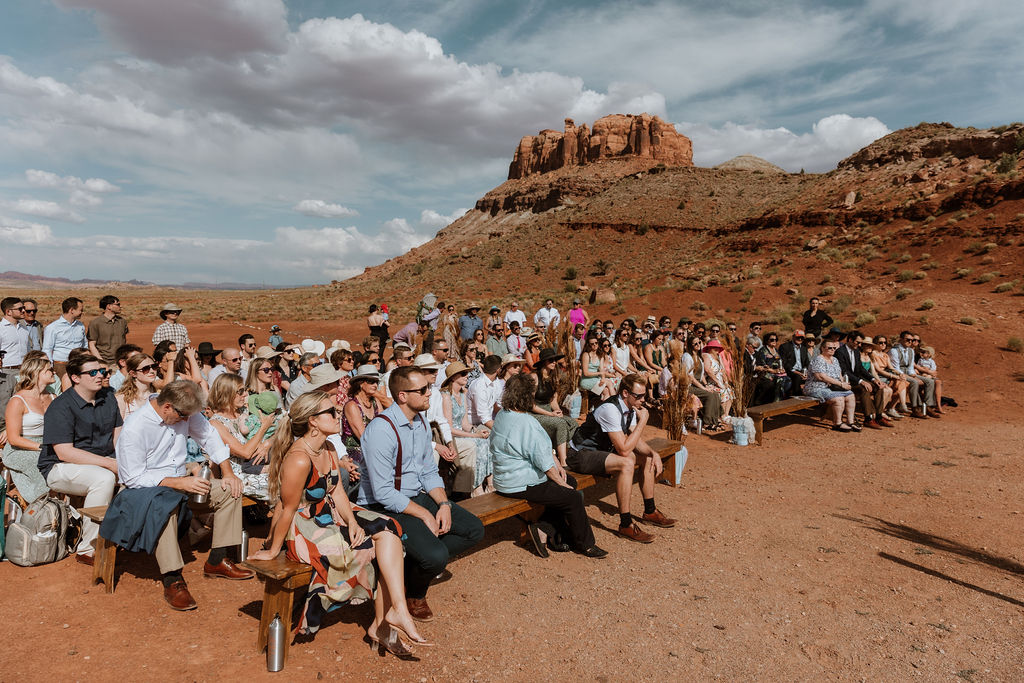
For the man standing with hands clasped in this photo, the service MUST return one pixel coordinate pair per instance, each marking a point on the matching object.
(402, 480)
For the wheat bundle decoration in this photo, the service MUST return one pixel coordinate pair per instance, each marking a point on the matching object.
(742, 382)
(567, 347)
(450, 332)
(675, 402)
(551, 335)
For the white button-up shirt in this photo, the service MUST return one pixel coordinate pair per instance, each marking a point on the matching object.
(547, 317)
(62, 336)
(149, 450)
(14, 339)
(481, 400)
(435, 413)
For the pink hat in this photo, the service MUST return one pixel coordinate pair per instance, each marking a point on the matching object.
(714, 344)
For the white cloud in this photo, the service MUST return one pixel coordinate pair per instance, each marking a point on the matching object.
(15, 231)
(432, 219)
(322, 209)
(85, 199)
(830, 140)
(43, 209)
(39, 178)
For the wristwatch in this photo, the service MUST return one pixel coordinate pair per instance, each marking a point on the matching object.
(445, 502)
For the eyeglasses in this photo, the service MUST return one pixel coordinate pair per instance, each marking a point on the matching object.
(151, 367)
(102, 372)
(241, 392)
(333, 410)
(422, 391)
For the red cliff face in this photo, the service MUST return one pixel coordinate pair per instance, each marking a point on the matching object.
(614, 136)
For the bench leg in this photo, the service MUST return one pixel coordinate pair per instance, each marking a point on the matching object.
(668, 473)
(104, 560)
(279, 599)
(758, 429)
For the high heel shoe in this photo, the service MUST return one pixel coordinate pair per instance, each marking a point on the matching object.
(394, 644)
(421, 642)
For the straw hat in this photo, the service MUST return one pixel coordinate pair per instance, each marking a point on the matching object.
(367, 372)
(453, 370)
(313, 346)
(267, 352)
(322, 375)
(426, 361)
(511, 359)
(169, 308)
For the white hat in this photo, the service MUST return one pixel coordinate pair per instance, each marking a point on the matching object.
(426, 361)
(322, 375)
(267, 352)
(510, 358)
(313, 346)
(341, 344)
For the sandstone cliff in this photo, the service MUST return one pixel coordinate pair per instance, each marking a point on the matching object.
(616, 136)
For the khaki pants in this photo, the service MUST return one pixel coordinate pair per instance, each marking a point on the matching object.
(92, 481)
(465, 462)
(227, 527)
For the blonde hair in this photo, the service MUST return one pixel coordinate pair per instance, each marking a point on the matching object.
(128, 390)
(223, 392)
(292, 426)
(30, 371)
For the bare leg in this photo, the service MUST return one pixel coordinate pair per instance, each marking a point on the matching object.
(560, 451)
(622, 468)
(390, 604)
(938, 396)
(725, 407)
(647, 476)
(851, 406)
(835, 410)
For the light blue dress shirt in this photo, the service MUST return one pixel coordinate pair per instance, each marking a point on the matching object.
(520, 452)
(61, 337)
(380, 453)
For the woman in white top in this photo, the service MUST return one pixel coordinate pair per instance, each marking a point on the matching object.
(138, 386)
(24, 416)
(228, 399)
(621, 355)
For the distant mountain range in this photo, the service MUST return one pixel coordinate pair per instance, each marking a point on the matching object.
(13, 278)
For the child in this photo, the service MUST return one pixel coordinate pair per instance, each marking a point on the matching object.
(926, 366)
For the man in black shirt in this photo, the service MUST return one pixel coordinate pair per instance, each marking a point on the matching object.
(79, 432)
(796, 361)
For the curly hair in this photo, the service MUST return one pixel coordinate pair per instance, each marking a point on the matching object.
(519, 392)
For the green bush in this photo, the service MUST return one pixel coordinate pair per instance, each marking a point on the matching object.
(1004, 287)
(967, 320)
(926, 305)
(906, 275)
(903, 293)
(777, 282)
(828, 291)
(903, 258)
(536, 270)
(827, 277)
(570, 274)
(987, 277)
(842, 303)
(962, 273)
(699, 306)
(920, 275)
(496, 262)
(1007, 164)
(863, 318)
(1015, 344)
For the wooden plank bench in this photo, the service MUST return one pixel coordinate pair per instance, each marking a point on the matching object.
(494, 507)
(791, 405)
(105, 556)
(282, 579)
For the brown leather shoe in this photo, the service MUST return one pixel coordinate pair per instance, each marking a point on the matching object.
(931, 412)
(226, 570)
(82, 558)
(178, 597)
(658, 519)
(419, 609)
(886, 422)
(634, 533)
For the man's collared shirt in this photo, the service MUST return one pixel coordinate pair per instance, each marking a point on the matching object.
(435, 413)
(547, 316)
(35, 335)
(62, 337)
(107, 335)
(175, 332)
(468, 324)
(150, 450)
(903, 358)
(482, 400)
(515, 316)
(88, 426)
(380, 453)
(516, 344)
(441, 377)
(496, 346)
(14, 339)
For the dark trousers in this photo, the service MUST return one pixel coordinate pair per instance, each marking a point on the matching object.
(563, 510)
(711, 404)
(426, 555)
(796, 383)
(872, 400)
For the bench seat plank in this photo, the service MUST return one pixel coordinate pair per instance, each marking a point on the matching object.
(766, 410)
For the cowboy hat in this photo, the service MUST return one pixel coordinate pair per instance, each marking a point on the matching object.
(547, 355)
(453, 370)
(313, 346)
(426, 361)
(471, 307)
(169, 308)
(267, 352)
(322, 375)
(206, 349)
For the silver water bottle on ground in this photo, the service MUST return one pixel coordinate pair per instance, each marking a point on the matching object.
(243, 549)
(700, 426)
(207, 474)
(275, 644)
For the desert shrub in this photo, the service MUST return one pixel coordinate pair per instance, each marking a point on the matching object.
(928, 220)
(903, 258)
(1007, 163)
(851, 264)
(827, 277)
(748, 294)
(681, 205)
(1004, 287)
(863, 318)
(496, 262)
(920, 275)
(828, 291)
(685, 285)
(986, 277)
(777, 282)
(926, 305)
(931, 265)
(569, 287)
(906, 275)
(536, 270)
(642, 229)
(924, 257)
(699, 306)
(570, 274)
(736, 288)
(601, 267)
(923, 320)
(962, 273)
(985, 260)
(903, 293)
(967, 320)
(1015, 344)
(842, 303)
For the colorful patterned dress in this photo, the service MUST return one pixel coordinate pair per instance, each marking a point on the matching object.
(318, 537)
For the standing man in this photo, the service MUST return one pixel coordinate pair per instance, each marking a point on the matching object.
(108, 331)
(65, 334)
(440, 351)
(80, 429)
(514, 315)
(402, 480)
(470, 322)
(14, 334)
(610, 443)
(247, 351)
(170, 328)
(35, 328)
(547, 316)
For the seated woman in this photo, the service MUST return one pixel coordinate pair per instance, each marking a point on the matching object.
(186, 366)
(227, 400)
(875, 421)
(524, 468)
(546, 408)
(165, 353)
(473, 461)
(362, 406)
(24, 417)
(715, 376)
(317, 525)
(621, 360)
(344, 362)
(826, 384)
(890, 375)
(532, 355)
(711, 402)
(138, 387)
(594, 376)
(772, 382)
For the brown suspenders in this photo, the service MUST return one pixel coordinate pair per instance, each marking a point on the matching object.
(398, 460)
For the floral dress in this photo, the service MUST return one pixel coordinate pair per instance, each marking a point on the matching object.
(349, 438)
(318, 537)
(712, 366)
(483, 446)
(256, 485)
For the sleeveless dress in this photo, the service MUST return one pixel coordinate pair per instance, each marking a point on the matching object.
(255, 485)
(483, 446)
(23, 464)
(588, 383)
(713, 367)
(349, 438)
(318, 537)
(559, 428)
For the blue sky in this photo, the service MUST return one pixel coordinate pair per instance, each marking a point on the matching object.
(296, 142)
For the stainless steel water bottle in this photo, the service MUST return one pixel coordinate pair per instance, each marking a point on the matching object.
(243, 549)
(204, 473)
(700, 426)
(275, 644)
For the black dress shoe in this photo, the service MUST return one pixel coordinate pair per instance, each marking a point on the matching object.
(594, 552)
(558, 546)
(534, 532)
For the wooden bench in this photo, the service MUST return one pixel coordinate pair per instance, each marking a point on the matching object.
(282, 578)
(105, 556)
(760, 413)
(667, 449)
(494, 507)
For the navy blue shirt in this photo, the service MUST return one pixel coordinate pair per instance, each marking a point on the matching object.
(89, 426)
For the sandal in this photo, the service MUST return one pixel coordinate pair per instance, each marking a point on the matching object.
(854, 428)
(841, 427)
(421, 641)
(391, 642)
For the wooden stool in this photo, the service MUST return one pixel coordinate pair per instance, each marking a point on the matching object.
(106, 552)
(283, 577)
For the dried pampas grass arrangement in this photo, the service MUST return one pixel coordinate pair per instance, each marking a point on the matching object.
(674, 404)
(742, 382)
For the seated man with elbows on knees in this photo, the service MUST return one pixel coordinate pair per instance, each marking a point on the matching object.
(80, 429)
(148, 514)
(610, 442)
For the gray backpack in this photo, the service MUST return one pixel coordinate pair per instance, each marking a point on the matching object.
(48, 530)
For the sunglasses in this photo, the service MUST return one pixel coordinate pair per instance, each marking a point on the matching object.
(30, 310)
(151, 367)
(182, 415)
(267, 370)
(102, 372)
(772, 339)
(635, 395)
(716, 329)
(333, 410)
(422, 391)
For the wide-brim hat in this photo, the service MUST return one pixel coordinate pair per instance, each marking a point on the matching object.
(525, 331)
(426, 361)
(714, 344)
(322, 375)
(453, 370)
(170, 308)
(837, 333)
(471, 307)
(651, 319)
(341, 344)
(206, 349)
(868, 341)
(429, 299)
(493, 309)
(313, 346)
(367, 372)
(267, 352)
(549, 354)
(511, 359)
(535, 335)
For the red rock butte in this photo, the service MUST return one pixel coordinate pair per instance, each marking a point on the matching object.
(615, 136)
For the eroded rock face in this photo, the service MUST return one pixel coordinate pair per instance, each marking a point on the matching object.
(613, 136)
